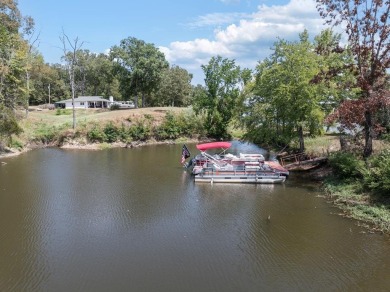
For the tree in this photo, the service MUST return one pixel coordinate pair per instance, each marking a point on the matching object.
(100, 78)
(367, 26)
(10, 16)
(8, 124)
(335, 80)
(222, 79)
(30, 56)
(70, 56)
(284, 103)
(13, 52)
(140, 67)
(174, 89)
(12, 61)
(45, 78)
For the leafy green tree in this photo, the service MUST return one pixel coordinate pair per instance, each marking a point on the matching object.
(60, 87)
(12, 56)
(48, 82)
(140, 67)
(13, 66)
(175, 88)
(284, 103)
(10, 16)
(335, 81)
(100, 77)
(94, 75)
(16, 51)
(12, 61)
(8, 124)
(198, 93)
(296, 87)
(222, 80)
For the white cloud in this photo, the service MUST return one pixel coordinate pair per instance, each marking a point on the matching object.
(249, 39)
(216, 19)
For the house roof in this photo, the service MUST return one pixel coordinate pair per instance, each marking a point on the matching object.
(85, 99)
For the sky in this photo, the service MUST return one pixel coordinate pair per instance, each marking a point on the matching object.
(188, 32)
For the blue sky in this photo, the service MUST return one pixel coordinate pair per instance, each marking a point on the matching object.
(189, 32)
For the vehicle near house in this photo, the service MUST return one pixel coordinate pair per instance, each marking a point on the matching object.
(124, 104)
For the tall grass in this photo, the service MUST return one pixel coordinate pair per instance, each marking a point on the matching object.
(322, 145)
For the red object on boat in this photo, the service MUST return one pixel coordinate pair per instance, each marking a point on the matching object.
(213, 145)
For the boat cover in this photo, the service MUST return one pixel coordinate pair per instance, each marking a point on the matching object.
(213, 145)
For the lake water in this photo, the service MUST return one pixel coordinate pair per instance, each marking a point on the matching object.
(134, 220)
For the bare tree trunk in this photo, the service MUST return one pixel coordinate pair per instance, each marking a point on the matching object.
(28, 92)
(29, 57)
(71, 63)
(73, 105)
(368, 133)
(301, 140)
(136, 101)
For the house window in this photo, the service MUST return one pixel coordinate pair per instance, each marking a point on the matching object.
(81, 103)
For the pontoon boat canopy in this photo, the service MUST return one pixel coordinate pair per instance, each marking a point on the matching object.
(213, 145)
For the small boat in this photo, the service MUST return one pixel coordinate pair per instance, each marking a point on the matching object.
(301, 162)
(228, 168)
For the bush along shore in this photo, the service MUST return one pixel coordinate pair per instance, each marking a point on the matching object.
(361, 188)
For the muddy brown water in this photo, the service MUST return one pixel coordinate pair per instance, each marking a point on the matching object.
(134, 220)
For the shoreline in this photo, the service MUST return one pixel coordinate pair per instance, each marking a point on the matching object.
(12, 152)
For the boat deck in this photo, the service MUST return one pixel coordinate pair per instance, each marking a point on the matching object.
(212, 175)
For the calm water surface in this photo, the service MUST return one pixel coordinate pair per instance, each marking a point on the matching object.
(133, 220)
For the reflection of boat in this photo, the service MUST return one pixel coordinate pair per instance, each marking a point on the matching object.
(228, 168)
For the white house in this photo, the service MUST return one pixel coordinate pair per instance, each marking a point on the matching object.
(85, 102)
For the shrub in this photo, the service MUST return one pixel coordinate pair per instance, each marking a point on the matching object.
(346, 164)
(141, 130)
(45, 133)
(8, 122)
(386, 137)
(123, 133)
(376, 176)
(14, 143)
(114, 107)
(96, 134)
(169, 128)
(187, 124)
(111, 132)
(60, 112)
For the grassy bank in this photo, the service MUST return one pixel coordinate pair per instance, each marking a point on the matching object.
(371, 209)
(107, 128)
(361, 188)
